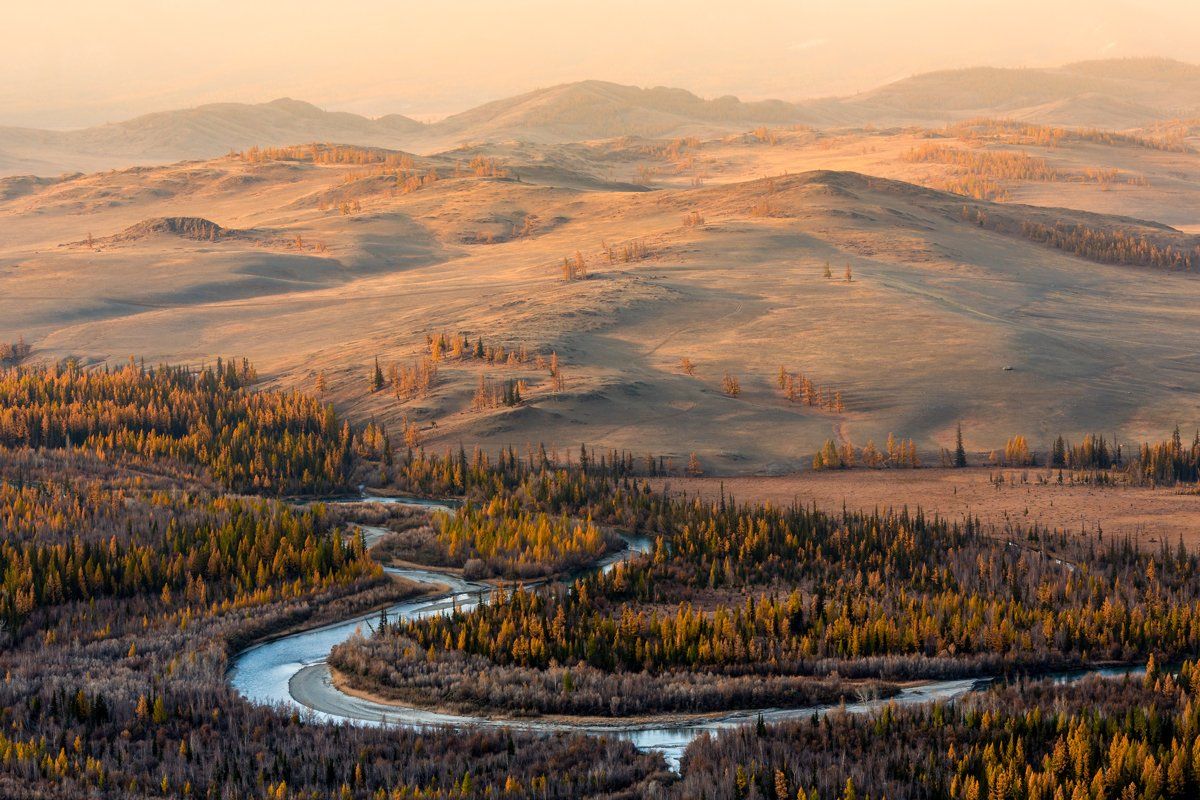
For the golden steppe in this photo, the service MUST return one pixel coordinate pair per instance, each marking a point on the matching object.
(325, 267)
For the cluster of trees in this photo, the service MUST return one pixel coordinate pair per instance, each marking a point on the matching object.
(1168, 462)
(682, 154)
(1107, 176)
(397, 166)
(459, 347)
(143, 581)
(418, 379)
(765, 206)
(485, 167)
(979, 187)
(765, 135)
(1116, 738)
(1171, 138)
(528, 226)
(409, 182)
(636, 250)
(1173, 132)
(1009, 165)
(345, 207)
(401, 181)
(1112, 247)
(13, 353)
(675, 150)
(897, 454)
(264, 441)
(574, 268)
(1016, 453)
(499, 538)
(517, 548)
(597, 485)
(1095, 244)
(490, 394)
(737, 590)
(397, 667)
(298, 242)
(212, 551)
(848, 275)
(798, 388)
(329, 154)
(587, 485)
(407, 381)
(981, 170)
(373, 442)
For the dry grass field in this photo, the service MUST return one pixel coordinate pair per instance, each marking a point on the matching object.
(712, 251)
(1149, 516)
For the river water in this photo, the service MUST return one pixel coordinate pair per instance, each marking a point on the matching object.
(290, 672)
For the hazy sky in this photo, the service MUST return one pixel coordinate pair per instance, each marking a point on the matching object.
(67, 63)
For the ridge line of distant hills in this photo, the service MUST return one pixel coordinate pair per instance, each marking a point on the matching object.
(1113, 94)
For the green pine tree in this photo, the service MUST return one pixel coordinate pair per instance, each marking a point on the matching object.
(960, 452)
(377, 377)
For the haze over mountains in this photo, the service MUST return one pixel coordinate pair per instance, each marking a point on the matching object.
(1114, 94)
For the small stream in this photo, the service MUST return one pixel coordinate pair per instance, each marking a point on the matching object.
(291, 671)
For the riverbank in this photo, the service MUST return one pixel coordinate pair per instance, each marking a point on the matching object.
(292, 670)
(471, 686)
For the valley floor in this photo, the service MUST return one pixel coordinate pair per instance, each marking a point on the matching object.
(1148, 515)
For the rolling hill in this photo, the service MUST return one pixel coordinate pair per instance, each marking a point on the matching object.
(957, 310)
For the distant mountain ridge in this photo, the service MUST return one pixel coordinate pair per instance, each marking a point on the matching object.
(598, 109)
(201, 132)
(1116, 94)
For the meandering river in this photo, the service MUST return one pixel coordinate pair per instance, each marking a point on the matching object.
(290, 671)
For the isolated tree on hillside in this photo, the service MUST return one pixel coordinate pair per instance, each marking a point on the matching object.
(412, 434)
(960, 453)
(377, 377)
(480, 401)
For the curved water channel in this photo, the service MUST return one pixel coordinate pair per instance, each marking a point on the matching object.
(290, 671)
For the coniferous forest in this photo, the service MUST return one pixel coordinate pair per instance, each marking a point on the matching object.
(154, 521)
(130, 574)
